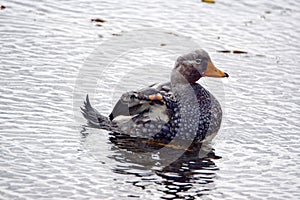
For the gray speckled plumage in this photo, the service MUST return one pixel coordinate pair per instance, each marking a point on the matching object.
(187, 109)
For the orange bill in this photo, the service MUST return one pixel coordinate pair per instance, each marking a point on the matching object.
(212, 71)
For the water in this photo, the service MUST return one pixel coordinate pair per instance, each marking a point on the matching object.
(45, 152)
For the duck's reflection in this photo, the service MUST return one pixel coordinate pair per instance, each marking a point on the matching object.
(187, 177)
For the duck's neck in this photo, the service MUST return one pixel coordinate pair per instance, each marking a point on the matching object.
(181, 80)
(185, 73)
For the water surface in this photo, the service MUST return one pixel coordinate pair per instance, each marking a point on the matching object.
(45, 152)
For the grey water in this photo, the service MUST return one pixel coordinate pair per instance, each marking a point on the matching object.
(52, 55)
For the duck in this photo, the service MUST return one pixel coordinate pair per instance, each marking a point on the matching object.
(180, 108)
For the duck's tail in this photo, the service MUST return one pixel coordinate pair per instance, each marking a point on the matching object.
(94, 118)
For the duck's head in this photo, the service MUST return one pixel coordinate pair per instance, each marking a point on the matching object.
(197, 64)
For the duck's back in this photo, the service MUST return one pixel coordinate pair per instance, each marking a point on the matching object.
(136, 115)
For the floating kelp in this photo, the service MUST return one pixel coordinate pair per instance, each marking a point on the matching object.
(98, 20)
(233, 51)
(239, 52)
(224, 51)
(208, 1)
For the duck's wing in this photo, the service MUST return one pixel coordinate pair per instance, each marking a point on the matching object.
(136, 102)
(164, 89)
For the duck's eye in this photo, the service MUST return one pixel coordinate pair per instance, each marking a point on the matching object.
(198, 61)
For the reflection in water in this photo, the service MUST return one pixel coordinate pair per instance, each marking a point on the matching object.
(188, 177)
(187, 173)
